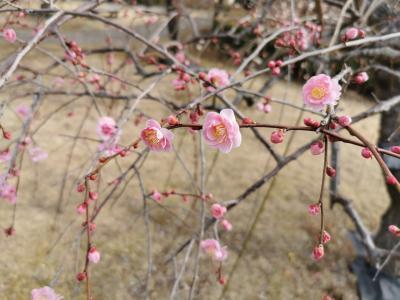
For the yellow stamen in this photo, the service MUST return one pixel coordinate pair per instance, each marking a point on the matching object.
(151, 137)
(318, 93)
(219, 131)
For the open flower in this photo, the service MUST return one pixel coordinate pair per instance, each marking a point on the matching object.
(218, 211)
(9, 35)
(106, 128)
(37, 154)
(45, 293)
(221, 131)
(157, 138)
(321, 90)
(213, 248)
(217, 77)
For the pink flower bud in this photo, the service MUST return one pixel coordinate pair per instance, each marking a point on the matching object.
(344, 120)
(318, 252)
(331, 172)
(326, 237)
(81, 209)
(276, 71)
(271, 64)
(278, 63)
(227, 225)
(156, 196)
(81, 276)
(9, 35)
(93, 195)
(317, 148)
(391, 180)
(395, 149)
(360, 78)
(361, 33)
(94, 255)
(7, 135)
(218, 211)
(172, 120)
(277, 136)
(366, 153)
(351, 34)
(80, 188)
(312, 123)
(314, 209)
(395, 230)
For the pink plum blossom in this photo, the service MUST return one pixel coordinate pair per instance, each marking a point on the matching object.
(321, 90)
(264, 107)
(156, 196)
(8, 192)
(317, 148)
(277, 136)
(106, 128)
(395, 149)
(157, 138)
(94, 255)
(361, 77)
(5, 155)
(344, 121)
(213, 248)
(351, 34)
(81, 208)
(218, 211)
(226, 224)
(112, 148)
(395, 230)
(9, 35)
(179, 84)
(221, 131)
(318, 252)
(314, 209)
(390, 179)
(366, 153)
(218, 78)
(326, 237)
(37, 154)
(45, 293)
(23, 111)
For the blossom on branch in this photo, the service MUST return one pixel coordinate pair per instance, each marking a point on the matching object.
(45, 293)
(213, 248)
(157, 138)
(221, 131)
(321, 90)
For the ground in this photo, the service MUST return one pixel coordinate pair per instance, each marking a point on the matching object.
(48, 247)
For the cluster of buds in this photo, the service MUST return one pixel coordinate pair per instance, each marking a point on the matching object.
(92, 196)
(352, 34)
(275, 66)
(218, 212)
(264, 105)
(181, 83)
(299, 39)
(74, 54)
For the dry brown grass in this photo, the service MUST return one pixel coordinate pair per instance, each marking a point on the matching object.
(277, 263)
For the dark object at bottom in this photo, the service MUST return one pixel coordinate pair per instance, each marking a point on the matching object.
(383, 288)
